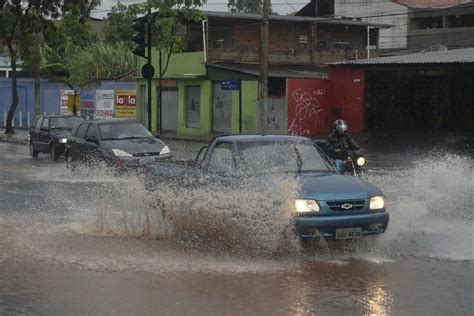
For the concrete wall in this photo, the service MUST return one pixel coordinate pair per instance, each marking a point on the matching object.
(395, 37)
(451, 37)
(50, 97)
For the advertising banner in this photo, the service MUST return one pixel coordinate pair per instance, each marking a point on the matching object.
(88, 102)
(125, 104)
(64, 100)
(104, 104)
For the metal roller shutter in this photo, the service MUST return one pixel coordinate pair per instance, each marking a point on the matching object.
(193, 106)
(169, 103)
(221, 109)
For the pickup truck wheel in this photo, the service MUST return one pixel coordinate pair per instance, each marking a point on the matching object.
(33, 152)
(52, 152)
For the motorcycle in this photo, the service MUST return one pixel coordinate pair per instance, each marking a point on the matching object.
(354, 162)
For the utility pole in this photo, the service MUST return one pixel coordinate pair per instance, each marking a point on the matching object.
(264, 67)
(149, 17)
(368, 42)
(314, 40)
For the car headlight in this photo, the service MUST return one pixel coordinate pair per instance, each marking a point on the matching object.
(360, 161)
(121, 153)
(62, 140)
(305, 206)
(165, 150)
(377, 202)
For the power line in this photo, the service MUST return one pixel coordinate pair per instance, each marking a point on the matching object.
(394, 12)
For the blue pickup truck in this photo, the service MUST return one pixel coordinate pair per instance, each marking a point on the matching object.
(329, 204)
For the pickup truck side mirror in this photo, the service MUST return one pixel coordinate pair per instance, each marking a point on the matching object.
(44, 129)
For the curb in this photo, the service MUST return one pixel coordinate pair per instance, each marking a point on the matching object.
(12, 139)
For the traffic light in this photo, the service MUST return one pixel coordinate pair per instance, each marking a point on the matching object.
(139, 38)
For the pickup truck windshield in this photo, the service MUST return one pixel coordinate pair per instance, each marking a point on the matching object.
(116, 131)
(282, 157)
(65, 122)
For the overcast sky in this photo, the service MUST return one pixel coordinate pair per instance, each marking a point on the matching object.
(280, 6)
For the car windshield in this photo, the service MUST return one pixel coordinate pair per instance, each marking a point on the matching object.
(282, 157)
(129, 130)
(65, 122)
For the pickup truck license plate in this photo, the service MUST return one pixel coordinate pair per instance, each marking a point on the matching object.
(348, 233)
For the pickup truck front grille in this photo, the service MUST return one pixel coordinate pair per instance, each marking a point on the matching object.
(146, 154)
(342, 206)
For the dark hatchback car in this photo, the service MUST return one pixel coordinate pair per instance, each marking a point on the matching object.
(120, 143)
(49, 134)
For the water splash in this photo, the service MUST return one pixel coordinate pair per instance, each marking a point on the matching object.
(431, 208)
(218, 228)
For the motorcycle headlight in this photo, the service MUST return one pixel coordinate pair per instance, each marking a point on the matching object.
(377, 202)
(62, 140)
(305, 206)
(360, 161)
(165, 150)
(121, 153)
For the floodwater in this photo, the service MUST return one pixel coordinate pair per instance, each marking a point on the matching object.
(92, 243)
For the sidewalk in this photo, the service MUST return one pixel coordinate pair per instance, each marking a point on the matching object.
(20, 136)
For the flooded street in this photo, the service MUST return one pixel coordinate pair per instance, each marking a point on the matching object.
(87, 242)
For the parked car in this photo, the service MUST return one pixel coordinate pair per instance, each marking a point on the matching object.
(330, 204)
(49, 134)
(119, 143)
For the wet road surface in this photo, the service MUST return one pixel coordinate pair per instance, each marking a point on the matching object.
(76, 243)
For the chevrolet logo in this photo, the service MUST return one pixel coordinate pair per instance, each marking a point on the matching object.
(346, 206)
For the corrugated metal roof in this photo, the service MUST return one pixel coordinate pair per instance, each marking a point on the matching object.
(281, 71)
(294, 19)
(465, 55)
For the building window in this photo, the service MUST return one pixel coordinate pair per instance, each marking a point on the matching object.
(304, 40)
(276, 87)
(342, 45)
(218, 43)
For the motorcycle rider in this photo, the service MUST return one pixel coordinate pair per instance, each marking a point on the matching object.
(339, 143)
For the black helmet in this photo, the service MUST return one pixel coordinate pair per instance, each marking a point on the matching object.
(340, 126)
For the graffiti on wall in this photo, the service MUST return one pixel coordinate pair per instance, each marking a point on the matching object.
(306, 110)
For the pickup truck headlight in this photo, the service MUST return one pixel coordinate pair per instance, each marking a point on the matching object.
(62, 140)
(377, 202)
(305, 206)
(165, 150)
(121, 153)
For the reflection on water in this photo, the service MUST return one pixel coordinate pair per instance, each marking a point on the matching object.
(321, 287)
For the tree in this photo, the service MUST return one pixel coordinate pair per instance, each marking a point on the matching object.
(80, 8)
(81, 67)
(246, 6)
(70, 30)
(17, 20)
(118, 24)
